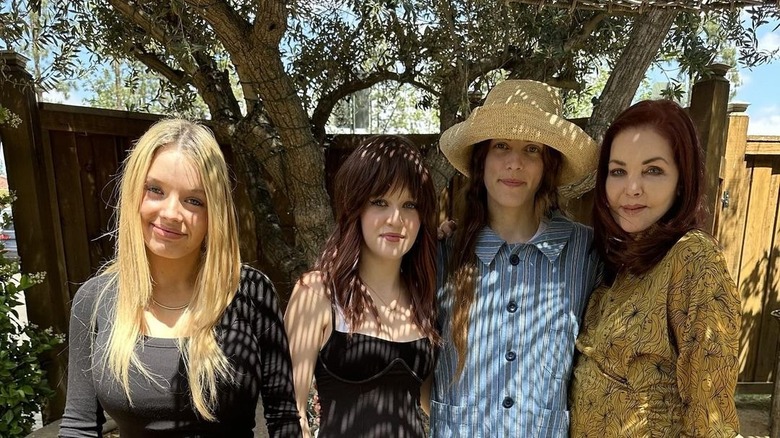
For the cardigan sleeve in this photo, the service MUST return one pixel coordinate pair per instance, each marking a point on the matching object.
(704, 319)
(277, 389)
(83, 415)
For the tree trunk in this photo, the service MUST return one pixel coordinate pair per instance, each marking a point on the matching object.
(645, 40)
(451, 100)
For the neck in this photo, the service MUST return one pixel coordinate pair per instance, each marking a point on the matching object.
(382, 276)
(173, 280)
(514, 225)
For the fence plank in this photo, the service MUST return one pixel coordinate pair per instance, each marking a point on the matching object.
(753, 267)
(765, 363)
(763, 146)
(107, 160)
(69, 192)
(56, 117)
(736, 182)
(47, 302)
(89, 196)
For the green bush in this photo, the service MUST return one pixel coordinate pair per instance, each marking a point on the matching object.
(23, 385)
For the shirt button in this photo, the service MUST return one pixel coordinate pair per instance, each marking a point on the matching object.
(514, 259)
(511, 307)
(508, 402)
(510, 356)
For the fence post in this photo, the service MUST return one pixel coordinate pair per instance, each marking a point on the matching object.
(709, 104)
(48, 302)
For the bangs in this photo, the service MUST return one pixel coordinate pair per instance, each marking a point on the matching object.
(389, 164)
(380, 166)
(396, 175)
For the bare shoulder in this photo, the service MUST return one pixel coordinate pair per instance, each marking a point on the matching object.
(312, 282)
(310, 294)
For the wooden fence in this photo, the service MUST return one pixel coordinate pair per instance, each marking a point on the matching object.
(748, 228)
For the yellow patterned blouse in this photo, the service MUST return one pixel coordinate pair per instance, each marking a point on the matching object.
(659, 352)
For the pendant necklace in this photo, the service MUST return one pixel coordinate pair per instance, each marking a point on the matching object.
(393, 309)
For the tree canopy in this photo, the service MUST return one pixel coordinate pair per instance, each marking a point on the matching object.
(271, 72)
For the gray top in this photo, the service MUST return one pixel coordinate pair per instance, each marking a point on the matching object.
(250, 333)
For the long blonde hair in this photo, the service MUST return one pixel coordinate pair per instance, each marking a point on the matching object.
(219, 271)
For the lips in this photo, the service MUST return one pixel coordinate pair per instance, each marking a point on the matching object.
(393, 237)
(633, 209)
(511, 182)
(166, 233)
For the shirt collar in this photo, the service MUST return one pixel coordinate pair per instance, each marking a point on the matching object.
(551, 242)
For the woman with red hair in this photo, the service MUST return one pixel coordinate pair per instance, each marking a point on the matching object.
(363, 321)
(660, 338)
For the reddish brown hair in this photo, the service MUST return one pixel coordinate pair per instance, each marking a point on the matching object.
(380, 165)
(639, 253)
(463, 264)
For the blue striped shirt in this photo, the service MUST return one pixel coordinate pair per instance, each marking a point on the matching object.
(523, 323)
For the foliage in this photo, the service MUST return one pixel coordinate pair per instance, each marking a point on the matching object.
(41, 29)
(273, 73)
(131, 86)
(23, 385)
(7, 118)
(388, 107)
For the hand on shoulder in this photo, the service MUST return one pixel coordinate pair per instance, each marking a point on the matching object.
(446, 229)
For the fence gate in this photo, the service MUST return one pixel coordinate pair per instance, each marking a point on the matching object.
(747, 225)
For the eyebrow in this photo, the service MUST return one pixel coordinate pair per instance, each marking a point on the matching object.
(156, 181)
(648, 161)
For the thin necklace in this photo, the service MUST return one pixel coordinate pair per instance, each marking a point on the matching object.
(163, 306)
(391, 308)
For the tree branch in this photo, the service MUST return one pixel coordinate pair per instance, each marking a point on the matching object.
(136, 15)
(645, 39)
(577, 42)
(153, 61)
(328, 101)
(231, 29)
(270, 24)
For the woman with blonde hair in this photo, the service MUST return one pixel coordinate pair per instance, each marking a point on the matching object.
(175, 336)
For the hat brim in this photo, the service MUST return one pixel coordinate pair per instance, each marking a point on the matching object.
(580, 152)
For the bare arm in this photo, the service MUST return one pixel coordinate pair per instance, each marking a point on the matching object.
(307, 322)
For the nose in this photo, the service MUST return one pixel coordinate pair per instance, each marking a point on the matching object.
(394, 217)
(634, 187)
(171, 209)
(515, 160)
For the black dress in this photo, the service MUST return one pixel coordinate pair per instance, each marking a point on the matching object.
(370, 387)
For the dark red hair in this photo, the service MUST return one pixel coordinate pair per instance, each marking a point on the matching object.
(641, 252)
(378, 166)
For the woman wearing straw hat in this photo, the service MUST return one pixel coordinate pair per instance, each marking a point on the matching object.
(515, 278)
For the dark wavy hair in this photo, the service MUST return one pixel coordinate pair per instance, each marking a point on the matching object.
(462, 272)
(641, 252)
(378, 166)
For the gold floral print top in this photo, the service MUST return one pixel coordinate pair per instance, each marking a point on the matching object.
(658, 352)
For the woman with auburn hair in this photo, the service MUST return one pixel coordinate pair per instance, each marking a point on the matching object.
(515, 278)
(660, 338)
(362, 322)
(175, 337)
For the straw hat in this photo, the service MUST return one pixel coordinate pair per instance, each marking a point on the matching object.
(522, 110)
